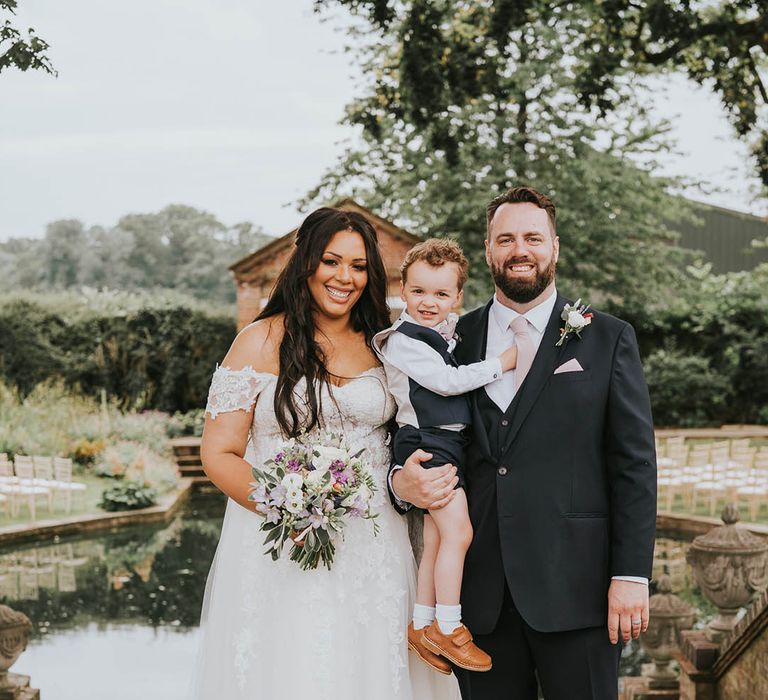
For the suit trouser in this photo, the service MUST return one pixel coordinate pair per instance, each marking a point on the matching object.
(574, 665)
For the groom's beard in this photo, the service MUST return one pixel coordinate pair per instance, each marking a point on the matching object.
(519, 290)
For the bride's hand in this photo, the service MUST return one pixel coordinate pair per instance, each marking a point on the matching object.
(425, 488)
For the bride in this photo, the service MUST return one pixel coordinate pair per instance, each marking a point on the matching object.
(270, 630)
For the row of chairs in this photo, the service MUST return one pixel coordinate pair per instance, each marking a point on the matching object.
(25, 479)
(712, 474)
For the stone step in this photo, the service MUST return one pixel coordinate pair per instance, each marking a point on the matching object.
(186, 452)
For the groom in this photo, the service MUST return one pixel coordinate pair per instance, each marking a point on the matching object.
(560, 477)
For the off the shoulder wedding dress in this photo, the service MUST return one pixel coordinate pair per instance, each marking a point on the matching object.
(271, 631)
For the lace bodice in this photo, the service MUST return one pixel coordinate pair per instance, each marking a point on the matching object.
(359, 407)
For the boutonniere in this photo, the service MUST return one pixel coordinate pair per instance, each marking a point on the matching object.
(577, 317)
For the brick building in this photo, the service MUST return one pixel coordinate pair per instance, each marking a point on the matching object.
(256, 274)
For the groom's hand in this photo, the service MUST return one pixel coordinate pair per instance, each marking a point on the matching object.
(425, 488)
(627, 601)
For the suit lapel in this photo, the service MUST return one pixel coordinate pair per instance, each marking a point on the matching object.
(541, 370)
(474, 338)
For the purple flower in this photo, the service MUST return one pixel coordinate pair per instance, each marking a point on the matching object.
(342, 477)
(293, 465)
(359, 508)
(316, 519)
(337, 465)
(277, 496)
(280, 456)
(273, 515)
(259, 494)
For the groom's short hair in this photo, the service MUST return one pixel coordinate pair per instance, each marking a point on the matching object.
(522, 195)
(436, 252)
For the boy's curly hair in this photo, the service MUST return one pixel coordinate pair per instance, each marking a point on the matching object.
(436, 252)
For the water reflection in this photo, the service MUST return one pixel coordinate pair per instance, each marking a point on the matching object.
(146, 575)
(131, 599)
(24, 573)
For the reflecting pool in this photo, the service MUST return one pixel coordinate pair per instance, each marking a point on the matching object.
(116, 615)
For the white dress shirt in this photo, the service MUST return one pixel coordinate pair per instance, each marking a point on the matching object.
(405, 358)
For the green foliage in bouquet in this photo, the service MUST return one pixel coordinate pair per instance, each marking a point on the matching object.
(130, 495)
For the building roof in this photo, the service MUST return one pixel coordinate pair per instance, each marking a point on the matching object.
(279, 244)
(725, 237)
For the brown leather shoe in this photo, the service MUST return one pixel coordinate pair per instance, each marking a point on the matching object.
(415, 642)
(457, 647)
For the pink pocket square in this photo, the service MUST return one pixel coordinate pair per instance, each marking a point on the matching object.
(570, 366)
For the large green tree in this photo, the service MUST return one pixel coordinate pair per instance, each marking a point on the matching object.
(451, 53)
(443, 132)
(19, 50)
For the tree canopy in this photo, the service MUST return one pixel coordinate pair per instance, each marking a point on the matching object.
(448, 123)
(450, 53)
(21, 51)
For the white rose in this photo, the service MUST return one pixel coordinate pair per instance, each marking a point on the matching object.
(315, 478)
(577, 321)
(292, 481)
(324, 456)
(294, 505)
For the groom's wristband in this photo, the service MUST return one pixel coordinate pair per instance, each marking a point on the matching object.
(631, 579)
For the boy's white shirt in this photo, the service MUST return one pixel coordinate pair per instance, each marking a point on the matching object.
(407, 358)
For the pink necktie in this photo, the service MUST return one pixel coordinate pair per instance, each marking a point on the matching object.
(525, 349)
(447, 328)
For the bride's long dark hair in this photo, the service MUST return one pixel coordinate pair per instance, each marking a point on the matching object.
(300, 355)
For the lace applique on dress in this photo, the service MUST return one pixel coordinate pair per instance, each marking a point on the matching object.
(234, 389)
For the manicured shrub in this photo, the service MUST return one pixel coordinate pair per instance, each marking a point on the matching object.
(159, 356)
(130, 495)
(684, 390)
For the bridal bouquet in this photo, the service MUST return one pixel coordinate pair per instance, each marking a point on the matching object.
(307, 491)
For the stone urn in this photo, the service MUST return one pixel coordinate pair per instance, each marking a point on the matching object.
(669, 615)
(730, 565)
(15, 628)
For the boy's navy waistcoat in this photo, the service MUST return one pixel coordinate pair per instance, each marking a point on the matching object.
(431, 409)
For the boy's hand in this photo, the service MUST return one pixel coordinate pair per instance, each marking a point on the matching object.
(509, 359)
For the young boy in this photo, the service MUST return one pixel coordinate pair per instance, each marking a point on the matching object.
(433, 409)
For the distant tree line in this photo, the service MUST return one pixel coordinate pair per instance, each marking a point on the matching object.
(179, 247)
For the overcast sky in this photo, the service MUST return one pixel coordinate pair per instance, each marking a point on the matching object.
(226, 105)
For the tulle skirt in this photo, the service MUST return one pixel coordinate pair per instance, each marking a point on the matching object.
(271, 631)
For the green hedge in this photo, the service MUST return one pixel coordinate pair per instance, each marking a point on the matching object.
(152, 358)
(706, 358)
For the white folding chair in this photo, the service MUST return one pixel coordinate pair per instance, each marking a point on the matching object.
(24, 490)
(62, 472)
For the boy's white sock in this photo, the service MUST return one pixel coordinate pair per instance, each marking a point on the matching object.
(423, 615)
(448, 617)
